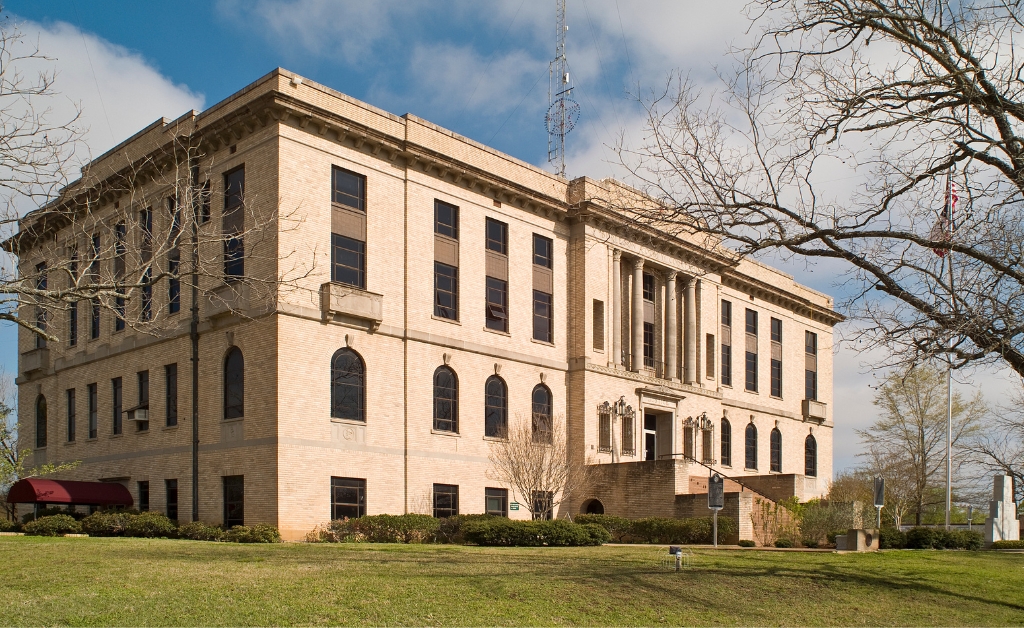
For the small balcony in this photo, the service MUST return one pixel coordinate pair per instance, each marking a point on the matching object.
(349, 301)
(228, 298)
(814, 410)
(35, 360)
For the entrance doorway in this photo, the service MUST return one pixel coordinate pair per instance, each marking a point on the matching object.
(650, 436)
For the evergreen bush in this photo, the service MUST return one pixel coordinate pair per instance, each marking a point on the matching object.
(53, 525)
(259, 533)
(6, 525)
(149, 525)
(557, 533)
(1008, 545)
(746, 543)
(108, 522)
(891, 538)
(199, 531)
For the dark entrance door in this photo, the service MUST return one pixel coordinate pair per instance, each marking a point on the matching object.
(650, 436)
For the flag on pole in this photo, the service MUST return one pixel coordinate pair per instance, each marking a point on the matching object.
(943, 229)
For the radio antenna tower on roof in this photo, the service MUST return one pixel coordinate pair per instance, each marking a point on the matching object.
(563, 111)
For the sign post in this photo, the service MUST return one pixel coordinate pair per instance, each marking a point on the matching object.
(716, 501)
(879, 498)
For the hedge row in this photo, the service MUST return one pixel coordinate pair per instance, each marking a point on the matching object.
(504, 532)
(1008, 545)
(930, 538)
(697, 530)
(147, 525)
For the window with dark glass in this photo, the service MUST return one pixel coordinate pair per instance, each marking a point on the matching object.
(171, 494)
(649, 345)
(348, 498)
(648, 287)
(94, 322)
(94, 259)
(776, 365)
(726, 365)
(543, 317)
(726, 343)
(446, 220)
(143, 387)
(234, 223)
(751, 352)
(234, 384)
(348, 189)
(497, 236)
(234, 500)
(726, 443)
(40, 312)
(495, 407)
(604, 429)
(41, 422)
(543, 505)
(446, 400)
(147, 294)
(171, 393)
(446, 500)
(348, 261)
(94, 410)
(810, 456)
(598, 332)
(146, 239)
(204, 201)
(810, 366)
(496, 502)
(348, 386)
(143, 496)
(497, 304)
(70, 395)
(543, 251)
(174, 213)
(73, 323)
(446, 291)
(543, 429)
(174, 281)
(117, 389)
(750, 460)
(775, 462)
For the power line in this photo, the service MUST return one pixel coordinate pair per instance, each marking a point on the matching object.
(516, 109)
(489, 62)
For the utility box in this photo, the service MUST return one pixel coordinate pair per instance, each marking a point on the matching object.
(857, 540)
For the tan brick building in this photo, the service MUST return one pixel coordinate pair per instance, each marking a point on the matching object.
(433, 288)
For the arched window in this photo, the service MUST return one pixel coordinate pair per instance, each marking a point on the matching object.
(495, 407)
(776, 451)
(542, 403)
(234, 384)
(726, 443)
(592, 507)
(446, 400)
(810, 456)
(348, 386)
(41, 421)
(750, 462)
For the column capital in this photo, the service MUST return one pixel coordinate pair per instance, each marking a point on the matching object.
(616, 254)
(638, 263)
(689, 281)
(669, 274)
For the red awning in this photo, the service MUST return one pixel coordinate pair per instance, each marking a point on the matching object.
(42, 491)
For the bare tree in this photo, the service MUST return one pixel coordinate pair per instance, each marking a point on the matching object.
(909, 437)
(832, 141)
(535, 461)
(1000, 448)
(900, 482)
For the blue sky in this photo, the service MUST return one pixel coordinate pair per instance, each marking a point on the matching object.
(478, 68)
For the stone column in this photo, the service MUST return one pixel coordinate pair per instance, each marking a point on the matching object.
(616, 308)
(672, 325)
(637, 321)
(690, 332)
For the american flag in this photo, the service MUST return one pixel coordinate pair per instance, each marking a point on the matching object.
(943, 229)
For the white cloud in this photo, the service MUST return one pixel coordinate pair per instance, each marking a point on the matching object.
(117, 90)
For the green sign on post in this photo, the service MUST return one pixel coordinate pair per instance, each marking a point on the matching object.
(513, 506)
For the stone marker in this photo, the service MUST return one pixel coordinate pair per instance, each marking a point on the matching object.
(1002, 523)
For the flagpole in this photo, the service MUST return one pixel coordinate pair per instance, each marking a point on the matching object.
(949, 358)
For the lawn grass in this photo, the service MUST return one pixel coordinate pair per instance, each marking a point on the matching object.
(94, 581)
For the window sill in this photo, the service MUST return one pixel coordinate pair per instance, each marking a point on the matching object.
(117, 435)
(43, 448)
(752, 392)
(748, 469)
(347, 421)
(495, 439)
(234, 420)
(445, 320)
(168, 428)
(725, 466)
(70, 443)
(542, 342)
(445, 433)
(775, 397)
(91, 440)
(497, 331)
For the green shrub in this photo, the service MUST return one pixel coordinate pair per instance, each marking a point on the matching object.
(617, 527)
(199, 531)
(746, 543)
(6, 525)
(53, 525)
(958, 540)
(108, 522)
(920, 538)
(891, 538)
(410, 528)
(558, 533)
(150, 524)
(52, 510)
(831, 536)
(1008, 545)
(259, 533)
(678, 531)
(450, 529)
(785, 543)
(810, 544)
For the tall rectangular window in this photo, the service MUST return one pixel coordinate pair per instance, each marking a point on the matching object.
(496, 502)
(543, 317)
(446, 291)
(497, 236)
(93, 411)
(543, 251)
(234, 223)
(234, 500)
(446, 500)
(497, 304)
(810, 366)
(116, 389)
(120, 254)
(709, 356)
(144, 496)
(543, 505)
(94, 319)
(648, 287)
(174, 213)
(147, 295)
(751, 351)
(71, 414)
(174, 281)
(73, 323)
(726, 360)
(171, 495)
(604, 429)
(776, 357)
(598, 332)
(543, 289)
(171, 392)
(143, 386)
(348, 228)
(446, 220)
(348, 498)
(649, 345)
(40, 312)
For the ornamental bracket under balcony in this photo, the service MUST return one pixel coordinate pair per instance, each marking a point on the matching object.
(340, 301)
